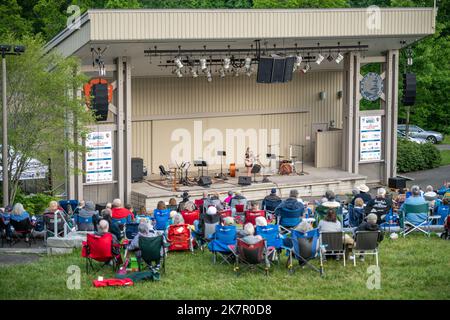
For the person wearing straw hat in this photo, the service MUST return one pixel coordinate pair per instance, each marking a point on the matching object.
(363, 194)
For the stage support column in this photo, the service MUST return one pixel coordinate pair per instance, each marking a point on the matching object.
(127, 133)
(390, 106)
(120, 128)
(351, 97)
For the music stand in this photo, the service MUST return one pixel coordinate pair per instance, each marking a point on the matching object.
(255, 169)
(200, 163)
(221, 175)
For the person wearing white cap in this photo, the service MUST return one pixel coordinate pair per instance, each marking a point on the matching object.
(363, 194)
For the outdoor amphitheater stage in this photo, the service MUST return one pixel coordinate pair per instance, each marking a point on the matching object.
(313, 183)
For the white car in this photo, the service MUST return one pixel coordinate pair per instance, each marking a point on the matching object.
(34, 170)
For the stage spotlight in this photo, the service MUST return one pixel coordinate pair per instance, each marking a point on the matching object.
(306, 68)
(194, 73)
(330, 58)
(298, 61)
(226, 63)
(203, 64)
(339, 58)
(320, 59)
(178, 62)
(222, 73)
(248, 63)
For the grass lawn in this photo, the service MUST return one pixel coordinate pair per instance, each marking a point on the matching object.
(413, 268)
(446, 139)
(445, 154)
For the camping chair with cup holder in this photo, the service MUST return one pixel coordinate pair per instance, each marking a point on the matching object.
(101, 249)
(22, 229)
(415, 218)
(222, 242)
(152, 252)
(274, 240)
(250, 256)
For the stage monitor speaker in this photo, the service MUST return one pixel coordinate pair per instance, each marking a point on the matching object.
(409, 89)
(288, 69)
(137, 169)
(265, 67)
(100, 101)
(397, 183)
(245, 181)
(204, 181)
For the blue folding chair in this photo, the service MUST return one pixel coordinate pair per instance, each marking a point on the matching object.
(271, 205)
(442, 211)
(355, 217)
(221, 243)
(415, 217)
(131, 230)
(79, 221)
(391, 220)
(287, 218)
(305, 247)
(274, 240)
(162, 218)
(66, 203)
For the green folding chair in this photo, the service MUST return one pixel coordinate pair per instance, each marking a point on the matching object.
(150, 248)
(415, 217)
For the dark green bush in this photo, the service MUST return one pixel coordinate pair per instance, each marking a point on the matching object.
(35, 203)
(412, 156)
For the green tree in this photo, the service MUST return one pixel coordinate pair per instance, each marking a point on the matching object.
(11, 19)
(38, 84)
(122, 4)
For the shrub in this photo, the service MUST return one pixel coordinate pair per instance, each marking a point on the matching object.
(412, 156)
(35, 203)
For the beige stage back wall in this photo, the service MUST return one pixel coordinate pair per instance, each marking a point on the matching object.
(161, 107)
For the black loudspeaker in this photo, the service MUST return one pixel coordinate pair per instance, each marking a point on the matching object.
(278, 70)
(409, 89)
(288, 68)
(265, 67)
(204, 181)
(99, 207)
(245, 181)
(100, 101)
(397, 183)
(137, 169)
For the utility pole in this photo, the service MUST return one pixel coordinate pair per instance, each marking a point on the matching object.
(6, 50)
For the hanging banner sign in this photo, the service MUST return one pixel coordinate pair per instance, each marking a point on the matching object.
(370, 138)
(99, 157)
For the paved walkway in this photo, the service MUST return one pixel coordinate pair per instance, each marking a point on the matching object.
(434, 177)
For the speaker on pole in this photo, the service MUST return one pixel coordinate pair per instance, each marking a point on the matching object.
(100, 101)
(409, 89)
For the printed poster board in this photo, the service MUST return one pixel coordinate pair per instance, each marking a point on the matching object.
(370, 138)
(99, 155)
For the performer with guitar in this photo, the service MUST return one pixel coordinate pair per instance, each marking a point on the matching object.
(249, 161)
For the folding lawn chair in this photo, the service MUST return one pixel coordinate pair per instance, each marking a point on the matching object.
(190, 216)
(4, 231)
(222, 239)
(305, 247)
(321, 212)
(22, 229)
(271, 205)
(68, 205)
(250, 216)
(366, 244)
(179, 238)
(333, 244)
(415, 217)
(162, 219)
(250, 256)
(100, 248)
(274, 240)
(443, 212)
(152, 251)
(391, 221)
(288, 219)
(131, 230)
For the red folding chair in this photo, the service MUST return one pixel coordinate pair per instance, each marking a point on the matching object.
(250, 216)
(179, 238)
(225, 213)
(198, 202)
(100, 248)
(190, 216)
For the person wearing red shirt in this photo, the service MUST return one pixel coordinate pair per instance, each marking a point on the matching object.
(119, 212)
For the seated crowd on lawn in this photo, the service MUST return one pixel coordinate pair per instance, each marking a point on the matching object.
(368, 213)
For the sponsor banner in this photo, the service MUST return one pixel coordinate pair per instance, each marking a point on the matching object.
(99, 156)
(370, 138)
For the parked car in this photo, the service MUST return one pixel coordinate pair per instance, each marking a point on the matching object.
(402, 135)
(417, 132)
